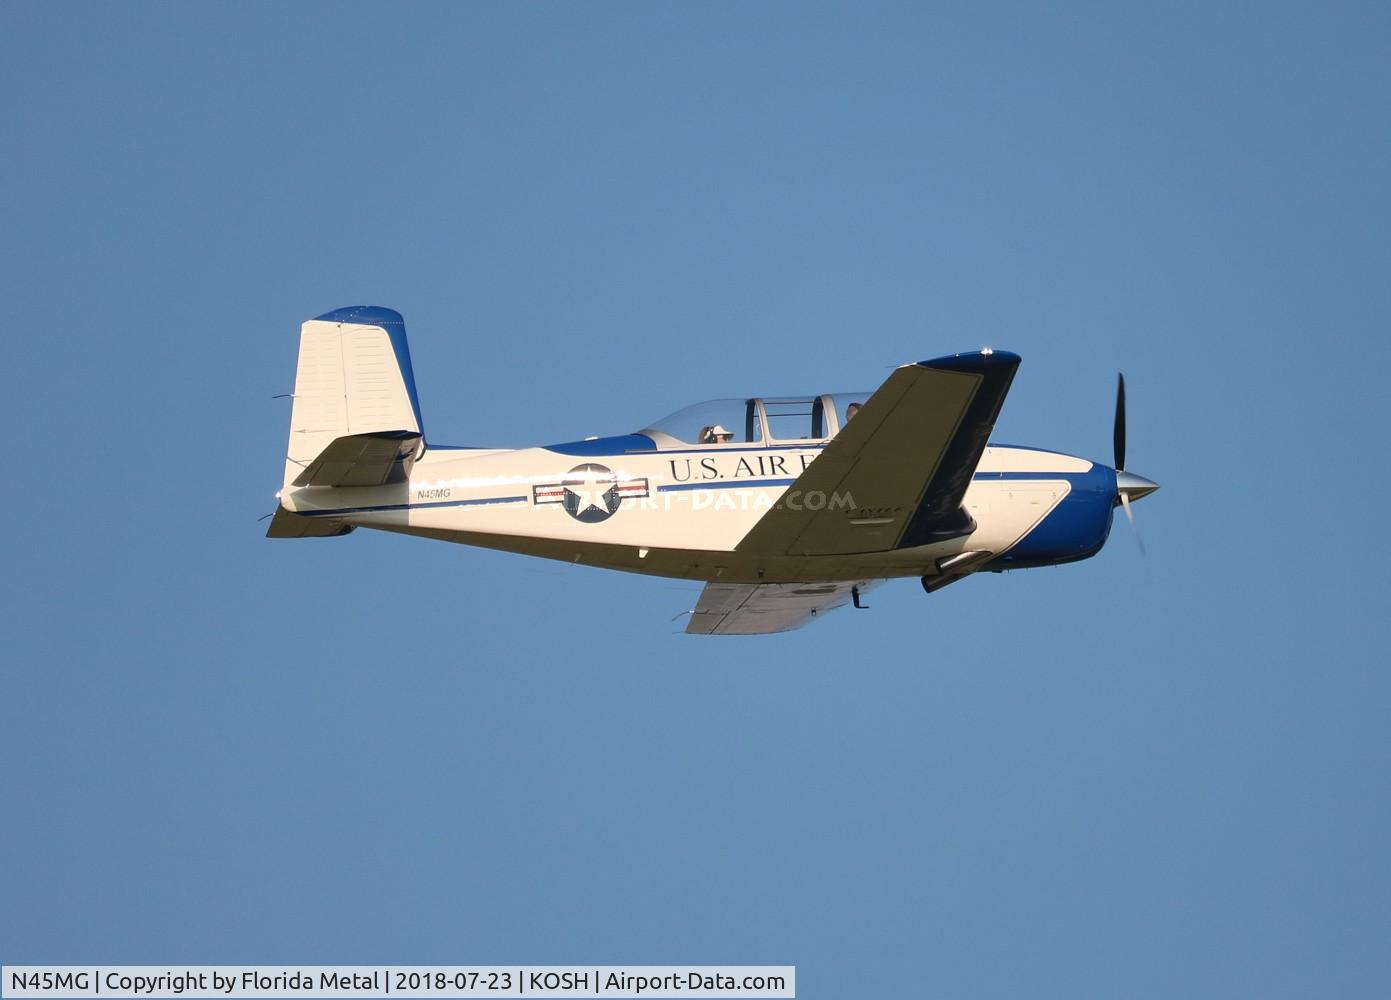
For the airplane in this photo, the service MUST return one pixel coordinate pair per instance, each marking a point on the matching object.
(784, 507)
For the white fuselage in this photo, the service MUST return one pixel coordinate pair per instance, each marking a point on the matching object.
(678, 512)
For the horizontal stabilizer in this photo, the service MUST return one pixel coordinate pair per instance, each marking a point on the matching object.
(287, 525)
(375, 459)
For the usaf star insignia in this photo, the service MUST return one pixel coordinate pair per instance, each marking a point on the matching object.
(590, 493)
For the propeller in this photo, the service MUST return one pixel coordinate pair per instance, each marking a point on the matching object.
(1128, 484)
(1118, 435)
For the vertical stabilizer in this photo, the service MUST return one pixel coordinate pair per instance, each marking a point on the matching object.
(354, 377)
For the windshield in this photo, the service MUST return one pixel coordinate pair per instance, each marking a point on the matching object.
(716, 421)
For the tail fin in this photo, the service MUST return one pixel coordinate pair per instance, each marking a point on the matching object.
(354, 379)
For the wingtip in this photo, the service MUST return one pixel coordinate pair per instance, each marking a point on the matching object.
(974, 361)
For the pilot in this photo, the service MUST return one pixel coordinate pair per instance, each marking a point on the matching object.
(706, 435)
(719, 435)
(851, 410)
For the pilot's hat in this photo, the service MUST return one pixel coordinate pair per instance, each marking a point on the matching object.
(717, 430)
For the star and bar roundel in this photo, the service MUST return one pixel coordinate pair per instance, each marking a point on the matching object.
(590, 493)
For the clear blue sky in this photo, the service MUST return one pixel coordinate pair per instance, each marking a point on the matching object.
(1128, 777)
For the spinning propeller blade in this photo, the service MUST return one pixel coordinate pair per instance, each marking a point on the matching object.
(1129, 516)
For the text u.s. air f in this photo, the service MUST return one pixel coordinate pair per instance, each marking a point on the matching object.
(785, 507)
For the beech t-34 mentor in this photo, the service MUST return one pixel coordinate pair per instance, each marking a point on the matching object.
(785, 507)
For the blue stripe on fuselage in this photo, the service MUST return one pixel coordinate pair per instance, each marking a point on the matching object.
(737, 484)
(382, 508)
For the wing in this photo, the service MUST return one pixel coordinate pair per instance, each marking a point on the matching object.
(895, 475)
(759, 608)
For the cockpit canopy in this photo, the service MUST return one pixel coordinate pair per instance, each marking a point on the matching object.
(760, 420)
